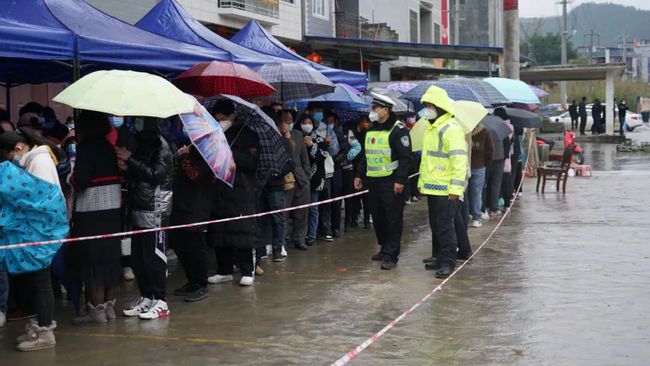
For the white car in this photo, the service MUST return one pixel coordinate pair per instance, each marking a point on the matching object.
(633, 120)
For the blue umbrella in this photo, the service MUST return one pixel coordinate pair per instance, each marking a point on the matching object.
(341, 99)
(455, 91)
(515, 90)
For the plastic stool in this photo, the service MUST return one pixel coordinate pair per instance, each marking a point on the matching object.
(581, 170)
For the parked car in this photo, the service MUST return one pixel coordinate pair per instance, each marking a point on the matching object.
(550, 110)
(633, 119)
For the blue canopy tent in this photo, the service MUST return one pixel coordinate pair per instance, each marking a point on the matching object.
(169, 19)
(254, 37)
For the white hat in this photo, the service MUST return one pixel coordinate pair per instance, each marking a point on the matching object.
(382, 100)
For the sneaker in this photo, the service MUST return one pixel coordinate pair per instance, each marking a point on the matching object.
(198, 295)
(185, 290)
(158, 309)
(415, 198)
(476, 223)
(258, 270)
(3, 319)
(31, 323)
(219, 279)
(485, 216)
(279, 257)
(38, 338)
(310, 242)
(378, 257)
(408, 201)
(388, 265)
(429, 260)
(495, 215)
(246, 281)
(110, 310)
(328, 238)
(301, 246)
(95, 315)
(140, 305)
(284, 252)
(128, 274)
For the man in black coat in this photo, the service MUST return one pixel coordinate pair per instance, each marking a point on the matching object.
(582, 112)
(596, 113)
(573, 113)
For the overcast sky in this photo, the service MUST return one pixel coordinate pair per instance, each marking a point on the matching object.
(539, 8)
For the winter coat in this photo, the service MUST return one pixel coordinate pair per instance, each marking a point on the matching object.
(300, 158)
(41, 163)
(318, 152)
(150, 171)
(194, 191)
(242, 198)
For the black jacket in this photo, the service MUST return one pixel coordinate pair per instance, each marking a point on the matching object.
(150, 177)
(573, 110)
(341, 159)
(242, 198)
(194, 190)
(582, 109)
(400, 145)
(318, 152)
(597, 112)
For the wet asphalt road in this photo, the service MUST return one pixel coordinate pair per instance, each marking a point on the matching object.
(565, 281)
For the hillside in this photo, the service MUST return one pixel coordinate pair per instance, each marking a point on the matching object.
(607, 19)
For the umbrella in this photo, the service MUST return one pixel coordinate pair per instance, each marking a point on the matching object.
(401, 87)
(126, 93)
(273, 158)
(497, 126)
(352, 89)
(467, 114)
(455, 92)
(524, 119)
(32, 210)
(294, 81)
(209, 138)
(515, 90)
(539, 92)
(401, 105)
(482, 88)
(341, 99)
(223, 77)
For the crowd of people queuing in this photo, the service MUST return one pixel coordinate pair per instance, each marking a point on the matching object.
(122, 173)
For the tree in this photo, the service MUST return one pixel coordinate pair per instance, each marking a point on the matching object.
(546, 50)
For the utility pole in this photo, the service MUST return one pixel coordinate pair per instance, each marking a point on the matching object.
(625, 53)
(591, 35)
(511, 62)
(564, 35)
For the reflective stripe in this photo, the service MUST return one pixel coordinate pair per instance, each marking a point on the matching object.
(456, 182)
(388, 167)
(437, 154)
(435, 187)
(378, 152)
(457, 152)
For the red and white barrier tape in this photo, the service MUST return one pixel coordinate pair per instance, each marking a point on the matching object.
(345, 359)
(174, 227)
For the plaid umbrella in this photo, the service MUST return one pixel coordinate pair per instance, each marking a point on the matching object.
(482, 88)
(223, 77)
(455, 91)
(401, 105)
(294, 81)
(273, 157)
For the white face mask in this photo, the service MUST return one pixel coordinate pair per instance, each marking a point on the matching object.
(307, 128)
(374, 116)
(225, 125)
(427, 113)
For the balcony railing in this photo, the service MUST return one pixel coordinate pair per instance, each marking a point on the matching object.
(269, 8)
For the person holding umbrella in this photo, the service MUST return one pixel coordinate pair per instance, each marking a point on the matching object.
(386, 162)
(150, 176)
(442, 176)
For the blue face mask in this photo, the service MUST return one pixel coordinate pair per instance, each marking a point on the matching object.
(318, 116)
(290, 126)
(116, 121)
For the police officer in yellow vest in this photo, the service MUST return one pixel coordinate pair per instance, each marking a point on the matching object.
(442, 176)
(384, 169)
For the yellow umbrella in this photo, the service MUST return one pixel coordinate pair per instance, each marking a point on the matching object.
(126, 93)
(467, 114)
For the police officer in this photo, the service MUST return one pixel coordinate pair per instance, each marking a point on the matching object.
(386, 164)
(442, 176)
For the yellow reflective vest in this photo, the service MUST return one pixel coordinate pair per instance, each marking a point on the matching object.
(444, 158)
(379, 154)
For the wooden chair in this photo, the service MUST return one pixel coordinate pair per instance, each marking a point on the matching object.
(558, 173)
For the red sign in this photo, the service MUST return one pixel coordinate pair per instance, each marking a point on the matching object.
(445, 21)
(510, 5)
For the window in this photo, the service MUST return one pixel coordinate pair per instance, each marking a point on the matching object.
(319, 8)
(287, 1)
(437, 36)
(414, 27)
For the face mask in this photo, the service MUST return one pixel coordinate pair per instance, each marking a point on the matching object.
(427, 113)
(374, 116)
(290, 126)
(318, 116)
(410, 120)
(307, 128)
(225, 125)
(117, 122)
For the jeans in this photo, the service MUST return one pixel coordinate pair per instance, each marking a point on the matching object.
(4, 290)
(475, 194)
(313, 216)
(325, 210)
(274, 224)
(335, 207)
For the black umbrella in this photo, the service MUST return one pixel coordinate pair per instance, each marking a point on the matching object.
(524, 119)
(497, 126)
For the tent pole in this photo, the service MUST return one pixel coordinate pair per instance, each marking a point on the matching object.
(8, 97)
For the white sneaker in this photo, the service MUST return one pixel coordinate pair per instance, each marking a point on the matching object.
(219, 279)
(157, 310)
(485, 216)
(246, 281)
(408, 201)
(476, 223)
(128, 274)
(284, 252)
(140, 305)
(3, 319)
